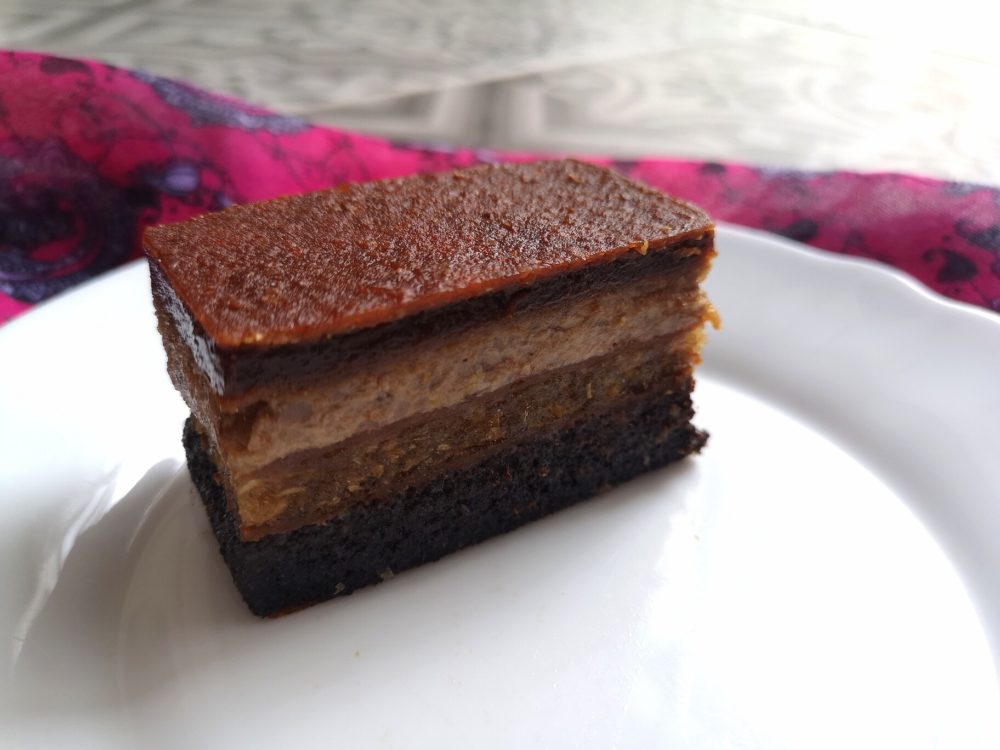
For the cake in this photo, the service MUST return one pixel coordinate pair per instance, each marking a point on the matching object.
(383, 373)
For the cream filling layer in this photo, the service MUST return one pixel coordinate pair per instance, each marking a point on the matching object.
(314, 486)
(442, 372)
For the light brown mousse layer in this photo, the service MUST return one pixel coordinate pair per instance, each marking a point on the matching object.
(316, 485)
(279, 419)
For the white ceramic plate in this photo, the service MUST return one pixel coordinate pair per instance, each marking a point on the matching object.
(823, 576)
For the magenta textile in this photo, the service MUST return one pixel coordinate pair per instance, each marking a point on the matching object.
(90, 154)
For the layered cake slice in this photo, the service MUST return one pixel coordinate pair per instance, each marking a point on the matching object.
(383, 373)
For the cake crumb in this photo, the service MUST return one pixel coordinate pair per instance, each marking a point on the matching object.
(640, 247)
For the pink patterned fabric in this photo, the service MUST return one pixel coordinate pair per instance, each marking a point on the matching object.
(90, 154)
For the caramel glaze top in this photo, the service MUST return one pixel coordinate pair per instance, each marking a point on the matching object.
(305, 267)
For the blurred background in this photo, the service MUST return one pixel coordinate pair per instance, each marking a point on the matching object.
(858, 84)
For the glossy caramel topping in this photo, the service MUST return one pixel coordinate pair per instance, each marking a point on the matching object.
(303, 267)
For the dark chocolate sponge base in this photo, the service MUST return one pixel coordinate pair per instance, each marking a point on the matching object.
(370, 542)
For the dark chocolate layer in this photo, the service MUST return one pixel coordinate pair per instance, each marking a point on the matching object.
(375, 540)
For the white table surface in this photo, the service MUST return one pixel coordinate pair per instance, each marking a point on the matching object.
(859, 84)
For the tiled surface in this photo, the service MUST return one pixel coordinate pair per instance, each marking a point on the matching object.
(866, 85)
